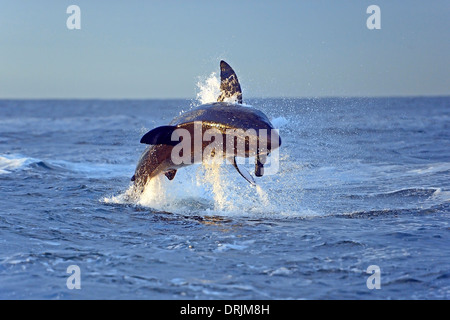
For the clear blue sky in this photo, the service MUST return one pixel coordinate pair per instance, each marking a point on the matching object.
(158, 49)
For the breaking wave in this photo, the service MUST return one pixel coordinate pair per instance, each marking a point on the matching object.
(13, 163)
(10, 164)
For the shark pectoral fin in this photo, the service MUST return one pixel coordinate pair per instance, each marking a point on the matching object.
(259, 165)
(170, 174)
(243, 172)
(160, 135)
(229, 84)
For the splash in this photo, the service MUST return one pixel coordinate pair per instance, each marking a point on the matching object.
(208, 89)
(263, 196)
(210, 189)
(161, 194)
(213, 178)
(154, 194)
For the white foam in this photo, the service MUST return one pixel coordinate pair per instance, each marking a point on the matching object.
(221, 247)
(208, 89)
(440, 195)
(161, 194)
(433, 168)
(12, 163)
(209, 190)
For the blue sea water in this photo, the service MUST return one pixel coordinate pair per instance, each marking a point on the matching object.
(361, 182)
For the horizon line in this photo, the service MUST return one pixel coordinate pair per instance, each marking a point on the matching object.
(250, 98)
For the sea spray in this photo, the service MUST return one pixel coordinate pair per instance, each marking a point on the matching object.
(210, 188)
(155, 194)
(215, 180)
(208, 89)
(263, 196)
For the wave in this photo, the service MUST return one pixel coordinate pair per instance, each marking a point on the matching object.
(439, 208)
(410, 192)
(13, 163)
(418, 192)
(433, 168)
(431, 193)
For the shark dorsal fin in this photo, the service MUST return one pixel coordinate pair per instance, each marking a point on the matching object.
(229, 84)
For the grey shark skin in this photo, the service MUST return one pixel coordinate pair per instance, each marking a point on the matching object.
(244, 123)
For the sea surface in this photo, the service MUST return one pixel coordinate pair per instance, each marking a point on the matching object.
(358, 182)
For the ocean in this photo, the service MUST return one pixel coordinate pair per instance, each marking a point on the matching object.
(362, 184)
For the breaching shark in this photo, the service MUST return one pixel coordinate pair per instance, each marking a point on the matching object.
(238, 131)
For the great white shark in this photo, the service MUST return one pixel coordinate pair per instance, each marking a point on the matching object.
(238, 131)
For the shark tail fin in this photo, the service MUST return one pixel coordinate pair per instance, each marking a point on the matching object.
(229, 84)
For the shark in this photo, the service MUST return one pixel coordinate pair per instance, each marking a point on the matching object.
(225, 129)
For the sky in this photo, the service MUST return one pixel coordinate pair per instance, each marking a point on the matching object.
(161, 49)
